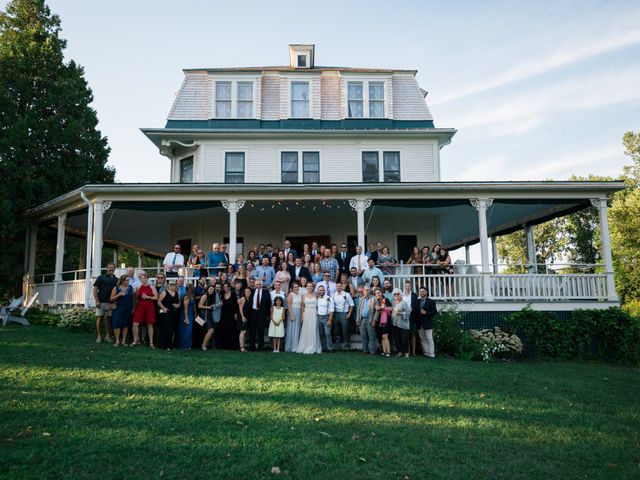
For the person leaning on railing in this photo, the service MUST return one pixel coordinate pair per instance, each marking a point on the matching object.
(386, 261)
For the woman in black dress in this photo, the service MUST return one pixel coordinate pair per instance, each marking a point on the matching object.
(169, 308)
(228, 333)
(244, 314)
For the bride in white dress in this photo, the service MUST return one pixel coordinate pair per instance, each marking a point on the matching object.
(309, 341)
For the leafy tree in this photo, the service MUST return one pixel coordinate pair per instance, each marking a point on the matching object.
(49, 143)
(551, 244)
(625, 227)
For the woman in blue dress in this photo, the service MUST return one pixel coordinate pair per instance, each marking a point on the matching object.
(187, 315)
(122, 296)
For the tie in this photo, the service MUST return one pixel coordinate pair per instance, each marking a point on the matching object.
(258, 302)
(343, 255)
(359, 263)
(174, 259)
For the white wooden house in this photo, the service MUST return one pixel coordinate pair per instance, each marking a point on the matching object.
(260, 154)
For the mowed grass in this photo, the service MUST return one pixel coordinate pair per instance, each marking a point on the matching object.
(72, 409)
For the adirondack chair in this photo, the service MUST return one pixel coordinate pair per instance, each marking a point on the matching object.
(8, 313)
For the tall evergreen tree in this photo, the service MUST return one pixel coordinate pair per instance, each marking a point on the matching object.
(49, 143)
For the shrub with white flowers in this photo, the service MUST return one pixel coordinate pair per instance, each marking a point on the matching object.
(497, 343)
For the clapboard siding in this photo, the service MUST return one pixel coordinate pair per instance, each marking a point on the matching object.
(193, 101)
(331, 99)
(316, 93)
(270, 97)
(408, 101)
(284, 97)
(340, 159)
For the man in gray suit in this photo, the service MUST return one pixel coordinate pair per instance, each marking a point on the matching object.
(366, 319)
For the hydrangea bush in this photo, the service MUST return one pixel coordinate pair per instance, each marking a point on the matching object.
(496, 343)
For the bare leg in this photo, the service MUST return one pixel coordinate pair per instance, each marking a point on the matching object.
(150, 328)
(107, 322)
(413, 343)
(125, 332)
(136, 334)
(143, 333)
(386, 347)
(243, 335)
(99, 329)
(207, 339)
(116, 331)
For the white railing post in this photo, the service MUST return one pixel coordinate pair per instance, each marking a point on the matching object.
(481, 205)
(494, 253)
(233, 207)
(531, 248)
(360, 205)
(62, 220)
(605, 239)
(96, 261)
(87, 266)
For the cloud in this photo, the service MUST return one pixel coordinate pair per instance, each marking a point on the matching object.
(595, 47)
(525, 111)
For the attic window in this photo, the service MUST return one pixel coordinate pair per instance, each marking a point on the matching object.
(302, 60)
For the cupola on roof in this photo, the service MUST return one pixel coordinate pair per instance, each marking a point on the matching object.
(301, 55)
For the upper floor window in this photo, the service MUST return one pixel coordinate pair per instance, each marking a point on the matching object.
(186, 170)
(289, 162)
(300, 99)
(245, 99)
(371, 172)
(310, 167)
(376, 99)
(302, 60)
(355, 100)
(234, 167)
(391, 166)
(223, 99)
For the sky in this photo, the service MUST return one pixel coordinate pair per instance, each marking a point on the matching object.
(537, 90)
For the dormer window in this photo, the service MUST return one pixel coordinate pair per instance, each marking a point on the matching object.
(301, 56)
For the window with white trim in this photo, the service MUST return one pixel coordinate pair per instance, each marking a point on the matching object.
(390, 171)
(300, 99)
(223, 99)
(186, 170)
(289, 163)
(355, 94)
(234, 167)
(245, 100)
(376, 99)
(310, 167)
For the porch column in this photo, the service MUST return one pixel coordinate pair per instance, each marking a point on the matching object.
(233, 207)
(531, 248)
(494, 253)
(33, 240)
(360, 206)
(99, 208)
(467, 255)
(62, 221)
(601, 204)
(481, 205)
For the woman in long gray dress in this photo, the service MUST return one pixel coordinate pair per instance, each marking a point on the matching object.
(294, 302)
(309, 341)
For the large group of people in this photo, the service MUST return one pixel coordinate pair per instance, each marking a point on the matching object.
(306, 302)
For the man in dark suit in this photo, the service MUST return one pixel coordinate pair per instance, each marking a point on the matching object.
(426, 311)
(343, 259)
(298, 271)
(260, 311)
(287, 250)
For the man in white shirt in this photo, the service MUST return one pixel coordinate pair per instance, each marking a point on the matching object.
(359, 261)
(133, 279)
(325, 319)
(277, 292)
(173, 261)
(327, 284)
(342, 309)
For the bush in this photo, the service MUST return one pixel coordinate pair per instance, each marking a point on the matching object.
(449, 337)
(497, 343)
(611, 335)
(42, 316)
(78, 319)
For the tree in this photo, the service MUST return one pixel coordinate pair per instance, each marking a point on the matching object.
(550, 245)
(625, 227)
(49, 143)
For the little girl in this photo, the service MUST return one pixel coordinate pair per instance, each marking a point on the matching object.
(276, 327)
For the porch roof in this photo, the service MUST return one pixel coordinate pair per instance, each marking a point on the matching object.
(514, 203)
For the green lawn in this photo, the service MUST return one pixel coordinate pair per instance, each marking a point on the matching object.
(70, 408)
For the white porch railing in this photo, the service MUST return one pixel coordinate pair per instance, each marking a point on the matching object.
(539, 287)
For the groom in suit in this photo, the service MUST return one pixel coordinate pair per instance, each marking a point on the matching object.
(260, 311)
(343, 259)
(298, 271)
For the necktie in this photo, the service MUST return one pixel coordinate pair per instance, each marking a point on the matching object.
(343, 255)
(258, 302)
(174, 259)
